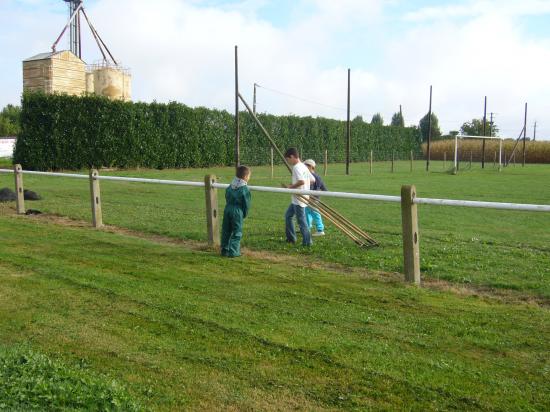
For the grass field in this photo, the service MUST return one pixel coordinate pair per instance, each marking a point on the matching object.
(503, 249)
(145, 304)
(183, 328)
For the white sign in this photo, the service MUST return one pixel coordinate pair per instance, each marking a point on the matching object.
(6, 147)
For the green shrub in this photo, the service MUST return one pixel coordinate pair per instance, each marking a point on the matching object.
(70, 132)
(32, 381)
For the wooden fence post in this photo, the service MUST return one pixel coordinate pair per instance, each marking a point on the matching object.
(95, 197)
(370, 162)
(20, 200)
(272, 161)
(212, 221)
(325, 168)
(411, 250)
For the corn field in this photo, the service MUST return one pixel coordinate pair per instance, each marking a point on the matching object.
(535, 152)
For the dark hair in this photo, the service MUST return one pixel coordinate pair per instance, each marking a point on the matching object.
(243, 171)
(292, 151)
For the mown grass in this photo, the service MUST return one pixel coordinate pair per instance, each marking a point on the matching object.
(187, 329)
(6, 163)
(503, 249)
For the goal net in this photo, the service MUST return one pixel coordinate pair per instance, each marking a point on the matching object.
(477, 151)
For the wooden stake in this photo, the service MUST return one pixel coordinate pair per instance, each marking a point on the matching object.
(20, 200)
(212, 221)
(411, 250)
(337, 216)
(370, 162)
(95, 198)
(272, 162)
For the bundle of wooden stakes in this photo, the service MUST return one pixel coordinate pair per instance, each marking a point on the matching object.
(348, 228)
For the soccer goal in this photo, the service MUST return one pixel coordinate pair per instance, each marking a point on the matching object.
(467, 146)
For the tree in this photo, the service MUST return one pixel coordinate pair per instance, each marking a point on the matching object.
(377, 119)
(436, 132)
(10, 120)
(358, 119)
(397, 120)
(475, 128)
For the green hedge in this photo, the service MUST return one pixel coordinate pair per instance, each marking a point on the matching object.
(69, 132)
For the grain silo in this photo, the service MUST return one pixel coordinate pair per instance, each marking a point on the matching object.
(65, 72)
(110, 81)
(60, 72)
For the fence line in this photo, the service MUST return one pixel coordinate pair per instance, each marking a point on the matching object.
(408, 201)
(343, 195)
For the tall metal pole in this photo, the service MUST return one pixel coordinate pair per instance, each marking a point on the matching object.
(75, 28)
(429, 133)
(79, 36)
(524, 135)
(484, 131)
(237, 127)
(254, 100)
(535, 132)
(348, 127)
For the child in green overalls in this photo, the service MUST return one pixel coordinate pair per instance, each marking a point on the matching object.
(237, 198)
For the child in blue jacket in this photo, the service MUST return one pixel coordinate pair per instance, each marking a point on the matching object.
(237, 198)
(312, 215)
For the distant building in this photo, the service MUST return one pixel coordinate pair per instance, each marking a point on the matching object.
(55, 72)
(64, 72)
(6, 146)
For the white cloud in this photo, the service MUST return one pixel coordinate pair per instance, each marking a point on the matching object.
(473, 8)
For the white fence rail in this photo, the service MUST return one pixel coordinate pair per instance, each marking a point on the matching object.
(407, 199)
(343, 195)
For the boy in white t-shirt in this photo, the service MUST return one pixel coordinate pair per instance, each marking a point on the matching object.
(301, 179)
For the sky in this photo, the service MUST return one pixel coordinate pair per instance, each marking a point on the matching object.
(299, 53)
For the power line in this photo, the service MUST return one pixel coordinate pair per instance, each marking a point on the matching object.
(303, 99)
(307, 100)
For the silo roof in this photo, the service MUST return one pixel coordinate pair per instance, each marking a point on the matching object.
(48, 55)
(41, 56)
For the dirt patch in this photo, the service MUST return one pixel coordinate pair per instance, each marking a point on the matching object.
(483, 292)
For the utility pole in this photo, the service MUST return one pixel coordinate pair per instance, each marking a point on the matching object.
(348, 127)
(401, 115)
(491, 125)
(484, 134)
(429, 132)
(524, 135)
(237, 127)
(254, 100)
(535, 132)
